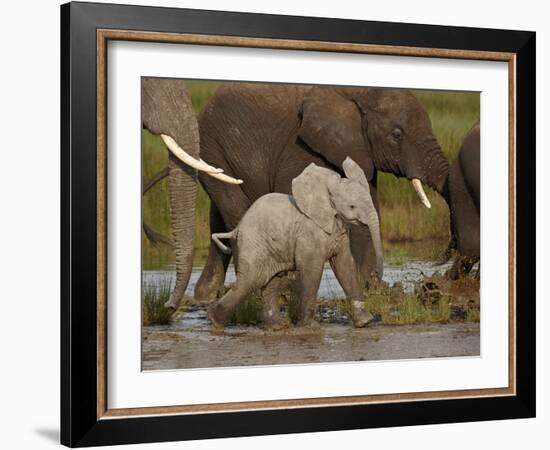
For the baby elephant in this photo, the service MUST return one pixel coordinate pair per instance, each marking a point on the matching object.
(282, 233)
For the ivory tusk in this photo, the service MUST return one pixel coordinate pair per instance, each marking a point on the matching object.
(420, 191)
(225, 178)
(186, 158)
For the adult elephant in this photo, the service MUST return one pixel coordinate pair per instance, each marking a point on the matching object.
(463, 199)
(267, 134)
(167, 111)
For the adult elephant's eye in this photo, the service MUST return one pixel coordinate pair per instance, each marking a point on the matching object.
(397, 134)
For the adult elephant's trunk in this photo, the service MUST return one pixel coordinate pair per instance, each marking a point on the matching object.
(167, 110)
(182, 183)
(373, 222)
(432, 170)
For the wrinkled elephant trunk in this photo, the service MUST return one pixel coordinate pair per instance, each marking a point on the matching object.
(438, 170)
(373, 223)
(182, 182)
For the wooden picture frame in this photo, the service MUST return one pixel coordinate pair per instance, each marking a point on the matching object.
(85, 417)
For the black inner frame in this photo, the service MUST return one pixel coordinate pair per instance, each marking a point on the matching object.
(79, 424)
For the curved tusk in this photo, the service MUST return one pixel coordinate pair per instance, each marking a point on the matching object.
(186, 158)
(225, 178)
(420, 191)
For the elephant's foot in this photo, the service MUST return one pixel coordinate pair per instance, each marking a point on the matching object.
(218, 317)
(360, 315)
(173, 302)
(271, 316)
(275, 325)
(309, 325)
(454, 272)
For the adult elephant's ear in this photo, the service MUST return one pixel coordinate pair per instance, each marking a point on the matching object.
(331, 126)
(311, 192)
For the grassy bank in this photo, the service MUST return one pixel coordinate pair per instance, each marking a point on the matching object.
(404, 220)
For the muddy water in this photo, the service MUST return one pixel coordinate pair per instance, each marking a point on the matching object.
(407, 273)
(188, 343)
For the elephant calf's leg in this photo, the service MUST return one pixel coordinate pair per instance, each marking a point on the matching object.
(220, 312)
(248, 281)
(310, 279)
(347, 275)
(270, 299)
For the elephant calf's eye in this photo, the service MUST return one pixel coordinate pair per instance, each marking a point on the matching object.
(397, 134)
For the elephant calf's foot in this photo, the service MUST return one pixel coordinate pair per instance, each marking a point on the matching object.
(310, 325)
(360, 315)
(275, 325)
(218, 316)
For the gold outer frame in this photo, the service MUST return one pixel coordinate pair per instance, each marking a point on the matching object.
(103, 36)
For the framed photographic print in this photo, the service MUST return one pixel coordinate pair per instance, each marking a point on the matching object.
(276, 224)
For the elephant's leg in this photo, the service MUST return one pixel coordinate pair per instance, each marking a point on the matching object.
(270, 299)
(462, 266)
(229, 203)
(220, 312)
(230, 200)
(347, 275)
(309, 282)
(309, 264)
(363, 253)
(213, 273)
(362, 248)
(465, 224)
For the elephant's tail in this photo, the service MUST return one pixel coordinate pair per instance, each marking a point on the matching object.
(161, 174)
(156, 238)
(229, 235)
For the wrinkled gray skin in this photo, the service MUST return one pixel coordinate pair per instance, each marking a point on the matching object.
(463, 200)
(299, 233)
(268, 134)
(167, 109)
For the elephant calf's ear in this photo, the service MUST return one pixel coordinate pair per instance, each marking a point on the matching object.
(331, 127)
(310, 190)
(354, 172)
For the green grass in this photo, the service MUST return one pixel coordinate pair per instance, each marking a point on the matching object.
(407, 309)
(153, 299)
(473, 313)
(249, 311)
(403, 219)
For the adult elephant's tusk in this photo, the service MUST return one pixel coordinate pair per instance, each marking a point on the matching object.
(225, 178)
(186, 158)
(420, 191)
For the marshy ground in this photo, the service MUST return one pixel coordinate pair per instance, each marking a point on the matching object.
(181, 346)
(418, 314)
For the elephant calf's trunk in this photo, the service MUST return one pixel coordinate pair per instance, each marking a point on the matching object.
(374, 227)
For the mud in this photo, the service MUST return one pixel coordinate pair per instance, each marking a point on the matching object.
(189, 343)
